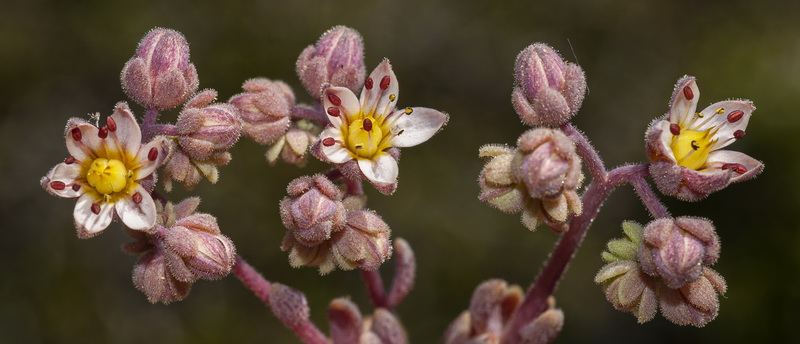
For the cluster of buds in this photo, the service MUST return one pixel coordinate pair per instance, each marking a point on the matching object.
(547, 90)
(160, 75)
(186, 246)
(205, 132)
(540, 178)
(666, 266)
(337, 59)
(323, 232)
(492, 305)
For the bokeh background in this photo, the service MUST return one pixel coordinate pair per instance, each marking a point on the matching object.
(60, 59)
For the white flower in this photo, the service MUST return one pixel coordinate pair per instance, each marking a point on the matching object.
(365, 130)
(105, 171)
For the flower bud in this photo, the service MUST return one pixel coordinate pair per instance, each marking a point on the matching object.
(265, 108)
(404, 273)
(548, 164)
(345, 321)
(293, 145)
(387, 327)
(497, 181)
(364, 243)
(152, 277)
(197, 241)
(336, 59)
(188, 172)
(204, 131)
(677, 249)
(160, 75)
(545, 328)
(547, 90)
(289, 305)
(313, 210)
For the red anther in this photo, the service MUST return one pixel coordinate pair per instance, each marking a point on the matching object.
(111, 124)
(385, 82)
(103, 132)
(334, 111)
(70, 160)
(367, 124)
(328, 141)
(152, 154)
(95, 208)
(137, 198)
(675, 129)
(735, 116)
(76, 187)
(76, 134)
(57, 185)
(368, 84)
(738, 168)
(334, 99)
(739, 134)
(687, 92)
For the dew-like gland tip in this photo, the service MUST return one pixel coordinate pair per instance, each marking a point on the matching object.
(70, 160)
(735, 116)
(334, 99)
(367, 124)
(152, 154)
(739, 134)
(333, 111)
(368, 84)
(687, 92)
(76, 134)
(111, 124)
(95, 208)
(102, 133)
(328, 141)
(57, 185)
(385, 82)
(675, 129)
(137, 198)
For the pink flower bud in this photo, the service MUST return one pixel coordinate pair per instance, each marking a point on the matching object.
(387, 327)
(549, 165)
(196, 240)
(208, 130)
(293, 145)
(152, 277)
(313, 211)
(160, 75)
(499, 186)
(345, 321)
(288, 304)
(364, 243)
(677, 249)
(265, 108)
(547, 90)
(336, 59)
(188, 172)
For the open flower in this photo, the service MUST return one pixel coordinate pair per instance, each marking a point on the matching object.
(685, 146)
(365, 132)
(105, 170)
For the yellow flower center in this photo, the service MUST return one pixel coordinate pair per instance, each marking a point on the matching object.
(364, 137)
(691, 148)
(108, 175)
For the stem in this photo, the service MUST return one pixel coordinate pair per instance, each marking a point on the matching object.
(150, 117)
(308, 113)
(648, 197)
(163, 129)
(536, 298)
(375, 289)
(256, 282)
(586, 151)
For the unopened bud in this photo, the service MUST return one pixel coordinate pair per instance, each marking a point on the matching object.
(387, 327)
(677, 249)
(265, 109)
(404, 273)
(204, 250)
(152, 277)
(336, 59)
(547, 90)
(499, 186)
(208, 130)
(548, 164)
(188, 172)
(160, 75)
(293, 145)
(288, 304)
(313, 211)
(345, 321)
(364, 242)
(545, 328)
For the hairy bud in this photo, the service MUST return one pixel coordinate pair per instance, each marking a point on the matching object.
(336, 59)
(676, 249)
(265, 107)
(547, 90)
(207, 130)
(313, 210)
(548, 164)
(293, 145)
(160, 75)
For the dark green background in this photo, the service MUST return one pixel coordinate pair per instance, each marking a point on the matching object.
(60, 59)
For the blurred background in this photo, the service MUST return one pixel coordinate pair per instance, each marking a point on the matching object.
(60, 59)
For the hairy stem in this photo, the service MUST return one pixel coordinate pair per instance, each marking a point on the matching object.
(163, 129)
(586, 151)
(253, 280)
(536, 298)
(648, 197)
(150, 117)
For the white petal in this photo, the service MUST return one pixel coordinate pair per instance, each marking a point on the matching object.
(67, 174)
(666, 140)
(89, 143)
(140, 216)
(725, 128)
(681, 109)
(382, 169)
(717, 159)
(88, 223)
(128, 132)
(337, 153)
(417, 127)
(147, 166)
(376, 100)
(348, 107)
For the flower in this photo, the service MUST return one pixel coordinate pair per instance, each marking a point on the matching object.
(365, 133)
(107, 171)
(685, 147)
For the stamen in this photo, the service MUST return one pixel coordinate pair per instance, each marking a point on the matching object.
(95, 208)
(739, 134)
(102, 133)
(720, 111)
(137, 198)
(367, 124)
(735, 116)
(673, 128)
(57, 185)
(738, 168)
(699, 115)
(385, 82)
(70, 160)
(410, 110)
(687, 92)
(76, 134)
(334, 111)
(111, 124)
(368, 84)
(334, 99)
(328, 141)
(152, 154)
(76, 187)
(392, 97)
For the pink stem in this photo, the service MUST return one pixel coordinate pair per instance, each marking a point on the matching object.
(648, 197)
(587, 152)
(150, 117)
